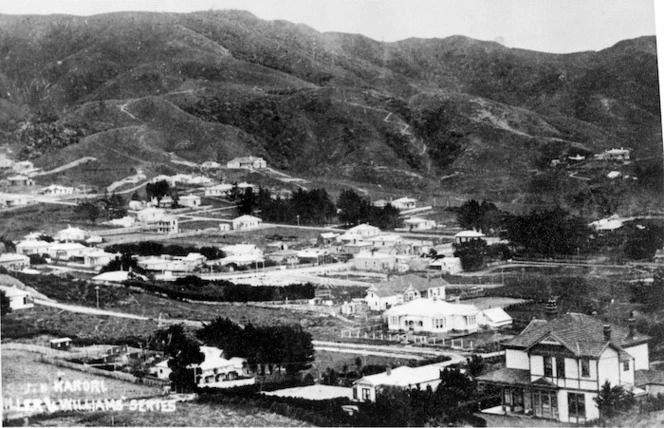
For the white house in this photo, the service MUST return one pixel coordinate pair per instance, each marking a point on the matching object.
(467, 236)
(218, 190)
(242, 254)
(136, 205)
(249, 162)
(402, 289)
(359, 233)
(432, 316)
(97, 258)
(555, 369)
(150, 215)
(65, 251)
(365, 389)
(168, 224)
(608, 224)
(70, 234)
(210, 165)
(20, 181)
(126, 221)
(620, 154)
(16, 200)
(30, 246)
(385, 240)
(191, 201)
(404, 203)
(374, 261)
(22, 167)
(418, 223)
(56, 190)
(14, 261)
(246, 222)
(18, 299)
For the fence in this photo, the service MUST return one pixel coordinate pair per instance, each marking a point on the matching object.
(462, 344)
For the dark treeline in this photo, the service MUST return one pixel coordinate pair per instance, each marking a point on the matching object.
(311, 207)
(193, 288)
(150, 248)
(287, 346)
(354, 210)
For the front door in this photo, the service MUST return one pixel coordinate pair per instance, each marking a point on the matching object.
(545, 404)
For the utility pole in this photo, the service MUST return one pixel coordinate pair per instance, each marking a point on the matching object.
(97, 290)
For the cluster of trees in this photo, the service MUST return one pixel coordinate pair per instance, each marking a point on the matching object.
(157, 190)
(613, 400)
(151, 248)
(476, 253)
(304, 206)
(182, 351)
(650, 295)
(481, 216)
(354, 210)
(642, 239)
(110, 207)
(276, 346)
(453, 403)
(549, 232)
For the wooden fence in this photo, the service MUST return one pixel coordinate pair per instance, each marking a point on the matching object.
(463, 344)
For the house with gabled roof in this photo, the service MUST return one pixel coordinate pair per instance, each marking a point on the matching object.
(555, 369)
(404, 288)
(249, 162)
(359, 233)
(404, 203)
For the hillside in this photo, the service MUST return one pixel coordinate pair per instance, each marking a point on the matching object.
(139, 87)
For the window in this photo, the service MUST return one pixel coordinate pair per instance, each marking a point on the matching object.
(548, 367)
(560, 367)
(576, 404)
(585, 367)
(394, 320)
(366, 394)
(471, 319)
(440, 322)
(354, 393)
(626, 365)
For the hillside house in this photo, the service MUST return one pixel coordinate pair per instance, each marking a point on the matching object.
(468, 235)
(242, 254)
(57, 190)
(402, 289)
(210, 165)
(5, 162)
(70, 234)
(432, 316)
(150, 215)
(385, 240)
(30, 246)
(168, 224)
(68, 250)
(283, 257)
(191, 201)
(136, 205)
(246, 222)
(249, 162)
(366, 388)
(416, 224)
(20, 181)
(619, 155)
(14, 261)
(22, 167)
(218, 190)
(18, 299)
(359, 233)
(328, 238)
(448, 265)
(98, 258)
(495, 318)
(126, 221)
(404, 203)
(555, 369)
(374, 261)
(10, 200)
(608, 224)
(164, 202)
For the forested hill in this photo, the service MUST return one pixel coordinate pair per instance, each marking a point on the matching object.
(137, 88)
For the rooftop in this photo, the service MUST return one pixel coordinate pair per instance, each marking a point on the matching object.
(431, 308)
(399, 284)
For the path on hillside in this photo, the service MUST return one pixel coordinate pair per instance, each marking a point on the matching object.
(67, 166)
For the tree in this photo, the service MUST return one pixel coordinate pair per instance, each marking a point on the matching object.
(157, 190)
(125, 262)
(246, 203)
(116, 206)
(483, 216)
(471, 253)
(5, 308)
(350, 206)
(475, 365)
(613, 400)
(87, 211)
(183, 351)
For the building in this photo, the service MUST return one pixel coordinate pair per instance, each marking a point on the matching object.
(136, 205)
(22, 167)
(467, 236)
(150, 215)
(66, 251)
(246, 222)
(328, 238)
(359, 233)
(10, 200)
(621, 155)
(61, 344)
(404, 203)
(20, 181)
(14, 261)
(495, 318)
(608, 224)
(249, 162)
(402, 289)
(218, 190)
(415, 224)
(432, 316)
(98, 258)
(126, 221)
(385, 240)
(210, 165)
(374, 261)
(223, 227)
(168, 224)
(366, 388)
(242, 254)
(555, 369)
(18, 299)
(448, 265)
(70, 234)
(30, 246)
(191, 201)
(56, 190)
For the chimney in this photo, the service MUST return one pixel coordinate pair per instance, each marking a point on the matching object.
(607, 330)
(551, 309)
(632, 325)
(389, 370)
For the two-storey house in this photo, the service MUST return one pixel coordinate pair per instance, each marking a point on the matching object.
(555, 369)
(402, 289)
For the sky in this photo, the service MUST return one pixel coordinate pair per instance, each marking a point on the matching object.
(558, 26)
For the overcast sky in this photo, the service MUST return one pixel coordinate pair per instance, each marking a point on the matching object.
(545, 25)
